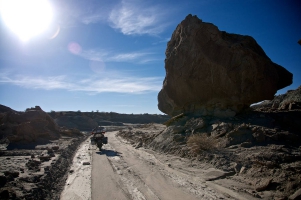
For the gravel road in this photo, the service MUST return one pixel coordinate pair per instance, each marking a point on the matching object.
(121, 171)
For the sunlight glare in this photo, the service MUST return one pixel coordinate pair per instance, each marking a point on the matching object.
(26, 18)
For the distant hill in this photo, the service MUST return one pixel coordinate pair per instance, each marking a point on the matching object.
(89, 120)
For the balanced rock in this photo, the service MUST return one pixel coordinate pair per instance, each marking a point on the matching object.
(211, 72)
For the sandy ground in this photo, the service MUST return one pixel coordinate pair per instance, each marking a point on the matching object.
(121, 171)
(78, 183)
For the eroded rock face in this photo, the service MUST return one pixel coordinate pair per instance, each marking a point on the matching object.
(31, 126)
(211, 72)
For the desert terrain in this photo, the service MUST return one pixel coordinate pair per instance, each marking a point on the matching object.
(213, 142)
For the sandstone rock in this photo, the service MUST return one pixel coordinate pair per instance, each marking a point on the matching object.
(211, 72)
(262, 184)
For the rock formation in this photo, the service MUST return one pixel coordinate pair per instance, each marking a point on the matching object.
(31, 126)
(211, 72)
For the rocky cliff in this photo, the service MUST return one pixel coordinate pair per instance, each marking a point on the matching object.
(211, 72)
(31, 126)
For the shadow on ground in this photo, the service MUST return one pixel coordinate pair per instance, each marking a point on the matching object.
(108, 153)
(32, 146)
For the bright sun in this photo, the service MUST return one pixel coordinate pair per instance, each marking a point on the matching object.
(26, 18)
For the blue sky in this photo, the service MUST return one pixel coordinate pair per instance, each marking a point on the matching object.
(109, 55)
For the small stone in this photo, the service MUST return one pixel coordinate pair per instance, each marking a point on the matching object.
(86, 163)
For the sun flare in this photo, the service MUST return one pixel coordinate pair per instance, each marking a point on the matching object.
(26, 19)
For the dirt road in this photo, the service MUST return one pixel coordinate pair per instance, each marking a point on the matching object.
(121, 171)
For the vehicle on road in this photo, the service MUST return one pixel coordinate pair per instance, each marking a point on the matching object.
(98, 137)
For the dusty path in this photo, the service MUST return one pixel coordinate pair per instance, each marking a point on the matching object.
(122, 172)
(78, 183)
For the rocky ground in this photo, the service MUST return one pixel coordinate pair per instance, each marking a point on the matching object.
(254, 157)
(38, 173)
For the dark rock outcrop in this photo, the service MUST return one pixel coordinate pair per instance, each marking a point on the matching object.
(211, 72)
(31, 126)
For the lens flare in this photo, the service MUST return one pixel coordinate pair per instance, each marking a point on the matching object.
(74, 48)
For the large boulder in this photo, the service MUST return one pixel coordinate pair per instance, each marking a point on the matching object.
(211, 72)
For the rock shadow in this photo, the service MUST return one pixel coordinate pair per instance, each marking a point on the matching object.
(30, 146)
